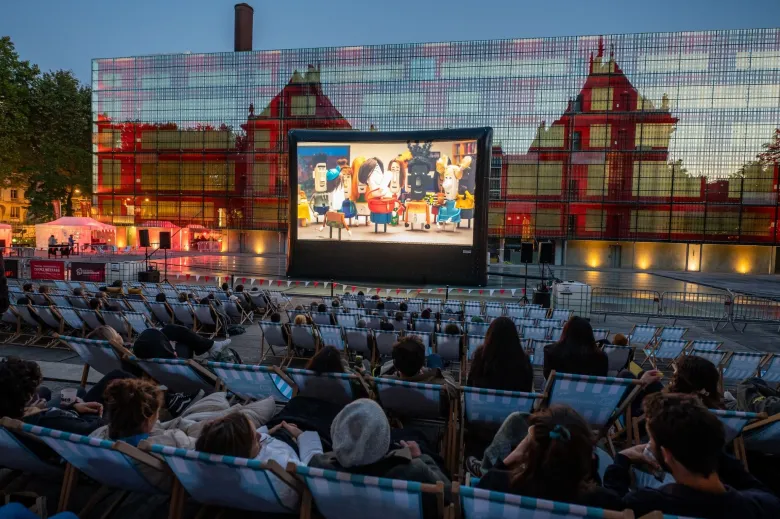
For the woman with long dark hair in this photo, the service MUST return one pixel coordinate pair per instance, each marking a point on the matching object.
(576, 351)
(500, 362)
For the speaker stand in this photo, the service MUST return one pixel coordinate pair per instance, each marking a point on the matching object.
(165, 280)
(525, 286)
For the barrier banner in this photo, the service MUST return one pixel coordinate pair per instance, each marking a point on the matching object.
(47, 270)
(94, 272)
(12, 269)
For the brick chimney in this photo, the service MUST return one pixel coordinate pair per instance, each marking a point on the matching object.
(243, 27)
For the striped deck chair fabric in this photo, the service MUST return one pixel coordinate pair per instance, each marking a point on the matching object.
(139, 306)
(205, 318)
(370, 304)
(330, 387)
(513, 310)
(600, 334)
(561, 314)
(24, 312)
(116, 321)
(183, 313)
(15, 455)
(472, 308)
(345, 320)
(71, 318)
(671, 333)
(99, 355)
(642, 334)
(595, 398)
(705, 345)
(414, 305)
(252, 382)
(491, 406)
(59, 301)
(477, 328)
(534, 332)
(385, 341)
(714, 356)
(734, 421)
(331, 336)
(521, 322)
(78, 302)
(425, 325)
(494, 309)
(763, 436)
(472, 343)
(426, 338)
(448, 346)
(410, 399)
(555, 334)
(350, 303)
(373, 322)
(770, 371)
(320, 318)
(177, 374)
(400, 326)
(358, 340)
(48, 317)
(742, 365)
(536, 313)
(536, 351)
(96, 458)
(225, 481)
(137, 321)
(549, 323)
(272, 334)
(302, 336)
(478, 503)
(160, 311)
(90, 318)
(665, 350)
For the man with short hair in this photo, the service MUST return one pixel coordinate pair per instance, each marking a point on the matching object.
(409, 361)
(687, 441)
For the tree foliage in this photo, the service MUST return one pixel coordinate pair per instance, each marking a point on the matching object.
(771, 153)
(45, 133)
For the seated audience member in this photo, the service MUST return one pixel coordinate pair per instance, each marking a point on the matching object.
(409, 361)
(276, 318)
(175, 341)
(620, 340)
(94, 304)
(322, 308)
(380, 305)
(23, 301)
(114, 307)
(183, 297)
(361, 445)
(43, 289)
(225, 287)
(327, 360)
(554, 461)
(576, 351)
(500, 362)
(235, 435)
(335, 304)
(160, 297)
(697, 376)
(452, 329)
(300, 320)
(361, 323)
(686, 440)
(27, 287)
(78, 292)
(403, 307)
(425, 314)
(386, 326)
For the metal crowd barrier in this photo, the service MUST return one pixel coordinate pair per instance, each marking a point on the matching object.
(753, 309)
(696, 306)
(624, 301)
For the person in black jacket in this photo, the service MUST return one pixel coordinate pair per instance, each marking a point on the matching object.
(576, 352)
(687, 441)
(554, 461)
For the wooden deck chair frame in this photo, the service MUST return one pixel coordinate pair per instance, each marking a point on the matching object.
(652, 349)
(630, 336)
(292, 350)
(207, 375)
(40, 332)
(16, 327)
(200, 323)
(122, 352)
(264, 351)
(764, 422)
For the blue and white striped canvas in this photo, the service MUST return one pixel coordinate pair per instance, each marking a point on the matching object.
(491, 406)
(385, 341)
(561, 314)
(513, 310)
(176, 374)
(183, 313)
(477, 328)
(302, 336)
(536, 349)
(770, 372)
(339, 495)
(116, 321)
(16, 456)
(669, 349)
(642, 334)
(160, 312)
(471, 308)
(733, 421)
(137, 322)
(346, 320)
(448, 346)
(252, 382)
(98, 354)
(330, 387)
(411, 399)
(224, 481)
(534, 332)
(672, 333)
(521, 322)
(96, 458)
(714, 356)
(357, 340)
(272, 334)
(765, 439)
(425, 325)
(331, 336)
(478, 503)
(595, 398)
(472, 343)
(705, 345)
(536, 313)
(494, 309)
(742, 365)
(600, 334)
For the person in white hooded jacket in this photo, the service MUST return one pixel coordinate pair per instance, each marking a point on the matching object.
(236, 435)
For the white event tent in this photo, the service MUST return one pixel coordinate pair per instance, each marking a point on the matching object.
(84, 230)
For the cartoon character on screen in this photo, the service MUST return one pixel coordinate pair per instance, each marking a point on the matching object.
(360, 202)
(381, 201)
(451, 175)
(397, 170)
(421, 183)
(349, 188)
(304, 211)
(320, 200)
(465, 200)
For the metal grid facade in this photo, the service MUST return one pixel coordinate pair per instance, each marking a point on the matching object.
(636, 137)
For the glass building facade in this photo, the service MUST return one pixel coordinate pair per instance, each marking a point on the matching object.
(634, 137)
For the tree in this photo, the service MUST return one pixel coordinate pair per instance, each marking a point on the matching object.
(771, 153)
(16, 85)
(60, 116)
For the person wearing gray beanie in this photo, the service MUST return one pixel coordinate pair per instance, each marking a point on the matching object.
(360, 434)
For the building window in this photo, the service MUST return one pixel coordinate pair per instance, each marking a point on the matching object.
(16, 213)
(600, 99)
(14, 194)
(303, 106)
(599, 136)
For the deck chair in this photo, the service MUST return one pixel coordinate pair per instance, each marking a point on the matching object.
(254, 382)
(78, 302)
(178, 375)
(224, 481)
(702, 345)
(359, 340)
(735, 421)
(555, 334)
(521, 322)
(513, 310)
(27, 315)
(642, 334)
(549, 323)
(472, 343)
(411, 399)
(426, 338)
(99, 355)
(340, 495)
(715, 356)
(535, 350)
(272, 334)
(204, 317)
(237, 314)
(600, 334)
(302, 337)
(449, 346)
(477, 503)
(320, 317)
(770, 370)
(59, 301)
(741, 365)
(183, 314)
(600, 400)
(330, 387)
(493, 310)
(561, 314)
(433, 304)
(50, 318)
(534, 332)
(139, 305)
(161, 312)
(384, 341)
(91, 318)
(331, 336)
(536, 313)
(15, 455)
(400, 326)
(350, 303)
(415, 304)
(618, 357)
(424, 325)
(112, 464)
(370, 304)
(117, 321)
(763, 436)
(472, 308)
(671, 333)
(665, 350)
(38, 299)
(477, 328)
(138, 322)
(373, 322)
(346, 320)
(491, 407)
